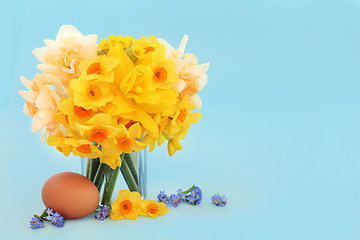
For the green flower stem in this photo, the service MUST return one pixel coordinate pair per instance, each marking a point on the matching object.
(130, 54)
(131, 166)
(166, 136)
(88, 167)
(189, 190)
(188, 201)
(44, 214)
(109, 187)
(94, 165)
(129, 179)
(41, 218)
(99, 177)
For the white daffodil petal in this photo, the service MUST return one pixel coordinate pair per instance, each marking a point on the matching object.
(27, 83)
(39, 53)
(196, 100)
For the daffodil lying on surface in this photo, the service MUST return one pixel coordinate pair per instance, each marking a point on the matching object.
(125, 205)
(129, 205)
(150, 208)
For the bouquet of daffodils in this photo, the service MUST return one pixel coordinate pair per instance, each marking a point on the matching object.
(105, 100)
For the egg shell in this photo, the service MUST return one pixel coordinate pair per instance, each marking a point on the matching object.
(70, 194)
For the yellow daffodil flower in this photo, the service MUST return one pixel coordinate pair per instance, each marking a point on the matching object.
(134, 89)
(151, 138)
(58, 141)
(70, 142)
(98, 69)
(173, 146)
(83, 148)
(150, 208)
(141, 47)
(98, 128)
(125, 64)
(176, 128)
(125, 41)
(112, 41)
(164, 74)
(125, 205)
(91, 95)
(63, 119)
(124, 142)
(104, 44)
(138, 87)
(73, 113)
(183, 116)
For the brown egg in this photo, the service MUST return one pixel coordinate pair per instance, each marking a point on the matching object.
(70, 194)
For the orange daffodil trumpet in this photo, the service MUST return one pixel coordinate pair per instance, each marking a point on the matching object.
(118, 96)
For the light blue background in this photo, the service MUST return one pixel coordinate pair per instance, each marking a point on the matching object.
(280, 132)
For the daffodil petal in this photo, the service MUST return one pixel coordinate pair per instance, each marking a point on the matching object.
(135, 130)
(109, 64)
(162, 211)
(141, 211)
(98, 119)
(132, 215)
(122, 194)
(116, 216)
(134, 197)
(115, 206)
(125, 64)
(68, 30)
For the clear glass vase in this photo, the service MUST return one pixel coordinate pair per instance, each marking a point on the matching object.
(131, 175)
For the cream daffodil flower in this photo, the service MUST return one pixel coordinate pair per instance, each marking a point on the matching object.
(41, 103)
(192, 76)
(62, 56)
